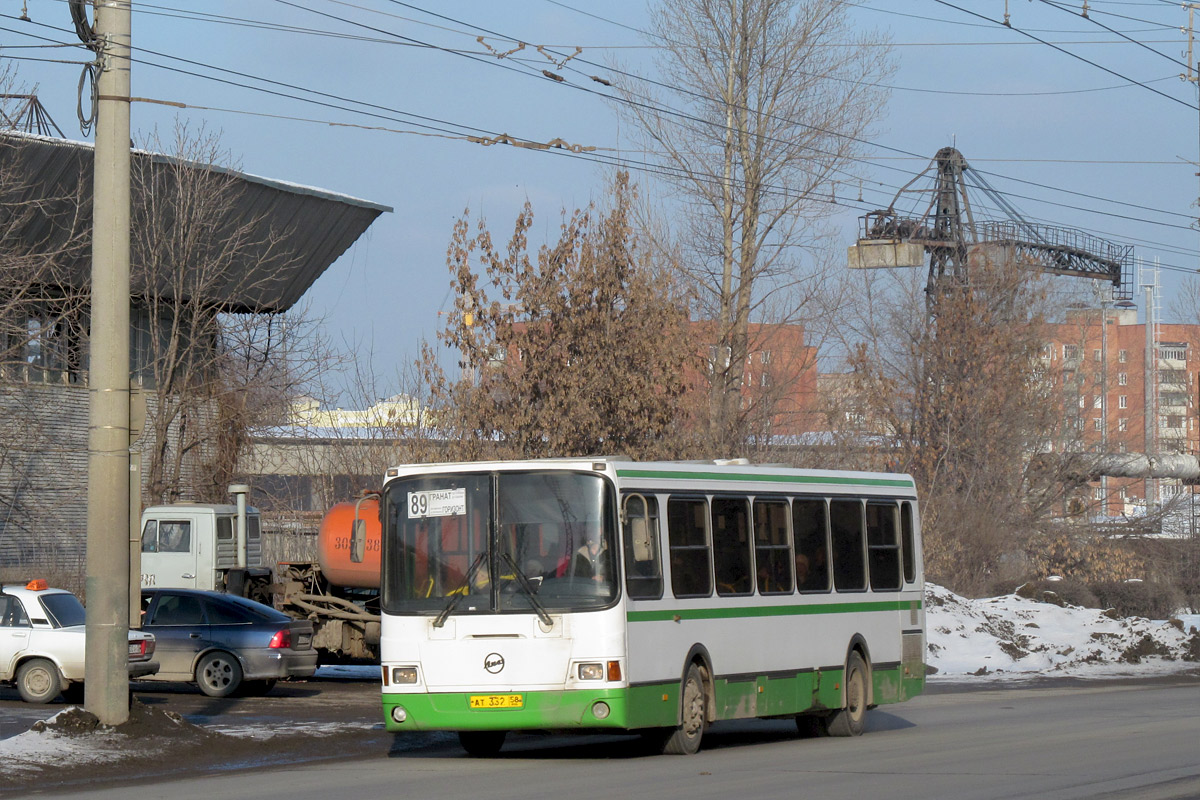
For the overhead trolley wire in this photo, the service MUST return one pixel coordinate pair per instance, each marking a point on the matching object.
(1072, 55)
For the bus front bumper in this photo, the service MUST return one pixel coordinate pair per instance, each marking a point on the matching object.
(540, 710)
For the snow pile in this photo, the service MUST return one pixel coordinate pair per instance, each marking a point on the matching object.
(76, 737)
(1010, 636)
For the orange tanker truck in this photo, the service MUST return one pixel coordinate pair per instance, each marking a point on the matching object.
(219, 547)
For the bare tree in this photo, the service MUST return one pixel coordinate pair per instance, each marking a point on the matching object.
(767, 103)
(210, 372)
(963, 403)
(582, 350)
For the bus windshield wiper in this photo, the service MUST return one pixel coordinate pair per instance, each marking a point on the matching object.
(527, 587)
(462, 590)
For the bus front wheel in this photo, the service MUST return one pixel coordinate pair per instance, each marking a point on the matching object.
(481, 744)
(851, 720)
(685, 739)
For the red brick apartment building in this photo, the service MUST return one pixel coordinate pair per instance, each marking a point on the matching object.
(779, 379)
(1100, 371)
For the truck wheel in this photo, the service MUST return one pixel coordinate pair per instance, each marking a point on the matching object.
(851, 720)
(685, 740)
(38, 681)
(218, 674)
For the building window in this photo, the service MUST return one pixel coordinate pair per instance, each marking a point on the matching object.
(765, 356)
(1097, 401)
(1070, 352)
(1096, 354)
(1174, 353)
(1122, 379)
(1123, 401)
(1122, 424)
(1122, 356)
(1083, 402)
(1098, 423)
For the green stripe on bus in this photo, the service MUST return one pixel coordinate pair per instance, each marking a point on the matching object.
(746, 477)
(769, 611)
(651, 705)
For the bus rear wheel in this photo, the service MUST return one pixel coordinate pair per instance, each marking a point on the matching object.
(481, 744)
(685, 739)
(851, 720)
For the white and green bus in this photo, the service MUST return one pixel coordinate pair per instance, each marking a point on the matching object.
(655, 597)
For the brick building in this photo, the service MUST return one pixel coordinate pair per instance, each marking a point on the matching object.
(779, 381)
(1097, 364)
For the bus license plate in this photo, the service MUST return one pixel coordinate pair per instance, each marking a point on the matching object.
(497, 701)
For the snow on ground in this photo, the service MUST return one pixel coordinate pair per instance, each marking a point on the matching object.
(1011, 637)
(992, 639)
(27, 753)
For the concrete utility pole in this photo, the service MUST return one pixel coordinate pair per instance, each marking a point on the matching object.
(1150, 381)
(106, 684)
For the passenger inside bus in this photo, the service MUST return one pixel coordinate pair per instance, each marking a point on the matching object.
(591, 558)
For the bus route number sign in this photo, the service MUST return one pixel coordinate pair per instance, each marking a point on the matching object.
(437, 503)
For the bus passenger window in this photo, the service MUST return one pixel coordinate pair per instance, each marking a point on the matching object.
(643, 566)
(731, 545)
(809, 526)
(691, 561)
(908, 542)
(846, 535)
(772, 551)
(883, 547)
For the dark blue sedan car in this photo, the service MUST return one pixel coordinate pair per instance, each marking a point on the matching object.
(224, 643)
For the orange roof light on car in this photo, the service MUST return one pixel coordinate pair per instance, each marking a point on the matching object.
(37, 585)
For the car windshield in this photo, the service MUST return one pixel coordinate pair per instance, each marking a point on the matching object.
(63, 609)
(509, 541)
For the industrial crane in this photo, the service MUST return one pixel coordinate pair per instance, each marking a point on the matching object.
(948, 232)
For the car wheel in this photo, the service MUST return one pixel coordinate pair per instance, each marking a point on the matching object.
(218, 674)
(38, 681)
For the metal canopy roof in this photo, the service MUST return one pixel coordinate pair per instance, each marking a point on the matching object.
(313, 225)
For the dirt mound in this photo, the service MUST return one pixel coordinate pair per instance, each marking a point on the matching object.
(144, 722)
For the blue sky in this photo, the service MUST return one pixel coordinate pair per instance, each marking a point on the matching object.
(1062, 138)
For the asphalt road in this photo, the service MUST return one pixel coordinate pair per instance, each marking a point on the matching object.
(1111, 741)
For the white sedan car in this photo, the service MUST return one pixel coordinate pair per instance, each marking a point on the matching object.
(42, 643)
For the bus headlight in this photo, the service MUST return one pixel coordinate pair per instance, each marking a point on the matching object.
(399, 714)
(591, 672)
(404, 674)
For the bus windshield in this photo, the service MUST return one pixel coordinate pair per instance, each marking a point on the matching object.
(471, 543)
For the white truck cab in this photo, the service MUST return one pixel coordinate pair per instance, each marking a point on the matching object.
(210, 546)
